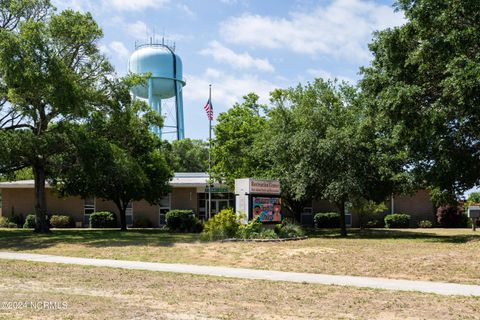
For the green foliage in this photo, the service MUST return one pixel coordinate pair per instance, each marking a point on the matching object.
(397, 220)
(251, 230)
(288, 230)
(232, 150)
(142, 222)
(51, 73)
(103, 219)
(266, 234)
(114, 155)
(183, 221)
(59, 221)
(368, 211)
(423, 86)
(474, 197)
(188, 155)
(326, 146)
(18, 219)
(7, 223)
(327, 220)
(29, 222)
(452, 216)
(425, 224)
(224, 224)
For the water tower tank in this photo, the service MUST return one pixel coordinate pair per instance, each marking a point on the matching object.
(165, 81)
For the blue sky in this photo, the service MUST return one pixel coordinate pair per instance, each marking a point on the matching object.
(242, 46)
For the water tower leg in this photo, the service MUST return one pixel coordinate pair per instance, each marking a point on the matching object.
(179, 105)
(154, 103)
(159, 110)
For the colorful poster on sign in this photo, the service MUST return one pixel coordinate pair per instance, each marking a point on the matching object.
(267, 209)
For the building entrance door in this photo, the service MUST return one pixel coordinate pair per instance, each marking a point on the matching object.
(218, 205)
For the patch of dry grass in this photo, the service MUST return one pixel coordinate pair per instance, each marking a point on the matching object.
(418, 254)
(104, 293)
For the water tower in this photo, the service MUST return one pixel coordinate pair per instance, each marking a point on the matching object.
(165, 67)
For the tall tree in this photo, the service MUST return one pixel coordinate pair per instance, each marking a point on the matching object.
(189, 155)
(115, 156)
(51, 73)
(232, 149)
(424, 83)
(323, 145)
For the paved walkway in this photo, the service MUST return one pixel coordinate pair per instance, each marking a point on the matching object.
(442, 288)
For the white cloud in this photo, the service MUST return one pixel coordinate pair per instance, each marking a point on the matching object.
(137, 5)
(108, 5)
(119, 49)
(186, 9)
(226, 88)
(237, 60)
(137, 30)
(340, 29)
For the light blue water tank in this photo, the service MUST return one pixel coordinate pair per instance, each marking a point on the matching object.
(158, 59)
(166, 81)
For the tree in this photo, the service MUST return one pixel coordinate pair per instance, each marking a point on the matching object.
(232, 149)
(324, 146)
(115, 156)
(51, 73)
(423, 85)
(189, 155)
(16, 11)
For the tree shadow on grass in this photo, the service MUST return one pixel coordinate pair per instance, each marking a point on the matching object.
(413, 234)
(15, 239)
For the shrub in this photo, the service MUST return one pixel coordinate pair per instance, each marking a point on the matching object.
(397, 220)
(266, 234)
(250, 230)
(18, 219)
(327, 220)
(141, 222)
(183, 221)
(224, 224)
(451, 216)
(6, 223)
(103, 219)
(289, 230)
(367, 211)
(59, 221)
(376, 223)
(425, 224)
(29, 221)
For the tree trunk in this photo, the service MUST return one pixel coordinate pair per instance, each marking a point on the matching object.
(122, 210)
(41, 224)
(343, 226)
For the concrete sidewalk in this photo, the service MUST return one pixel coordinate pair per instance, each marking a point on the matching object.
(442, 288)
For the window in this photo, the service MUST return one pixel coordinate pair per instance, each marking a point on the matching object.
(129, 214)
(348, 215)
(165, 204)
(88, 209)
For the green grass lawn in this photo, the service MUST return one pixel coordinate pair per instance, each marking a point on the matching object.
(450, 255)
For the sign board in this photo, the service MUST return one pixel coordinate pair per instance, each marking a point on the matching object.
(264, 186)
(267, 209)
(216, 190)
(474, 211)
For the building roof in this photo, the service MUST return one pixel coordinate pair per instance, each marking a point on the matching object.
(180, 180)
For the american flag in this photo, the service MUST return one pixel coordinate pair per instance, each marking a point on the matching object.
(209, 109)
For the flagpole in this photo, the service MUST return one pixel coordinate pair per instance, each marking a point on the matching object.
(209, 154)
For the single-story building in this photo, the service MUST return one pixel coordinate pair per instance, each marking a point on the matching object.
(189, 191)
